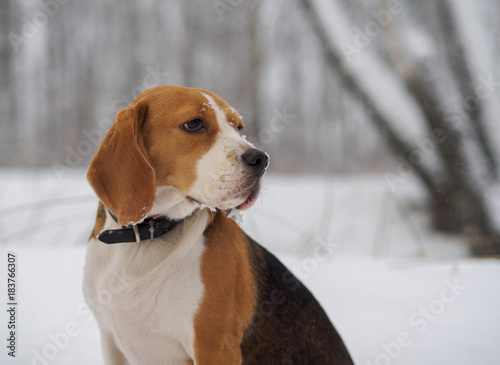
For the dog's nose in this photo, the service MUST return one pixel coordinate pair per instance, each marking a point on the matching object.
(257, 160)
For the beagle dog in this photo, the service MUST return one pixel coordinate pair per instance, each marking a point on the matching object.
(168, 276)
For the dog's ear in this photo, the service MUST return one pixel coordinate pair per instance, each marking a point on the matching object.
(121, 173)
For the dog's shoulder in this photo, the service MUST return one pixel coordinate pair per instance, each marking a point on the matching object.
(280, 321)
(289, 325)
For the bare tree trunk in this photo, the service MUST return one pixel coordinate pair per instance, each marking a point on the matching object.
(461, 206)
(7, 96)
(255, 67)
(190, 26)
(458, 204)
(463, 72)
(383, 125)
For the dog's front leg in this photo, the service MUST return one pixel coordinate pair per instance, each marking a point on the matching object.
(111, 353)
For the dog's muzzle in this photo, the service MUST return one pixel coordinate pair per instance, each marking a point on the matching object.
(256, 160)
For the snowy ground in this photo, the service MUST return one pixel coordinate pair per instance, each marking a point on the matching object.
(397, 292)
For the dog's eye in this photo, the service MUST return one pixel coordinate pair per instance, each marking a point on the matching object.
(193, 126)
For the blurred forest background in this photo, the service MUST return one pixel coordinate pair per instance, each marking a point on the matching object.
(401, 88)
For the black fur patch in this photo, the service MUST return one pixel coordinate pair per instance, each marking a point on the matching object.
(289, 325)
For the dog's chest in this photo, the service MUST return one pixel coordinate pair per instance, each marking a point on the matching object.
(149, 311)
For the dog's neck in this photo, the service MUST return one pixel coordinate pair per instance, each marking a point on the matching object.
(173, 211)
(175, 244)
(172, 203)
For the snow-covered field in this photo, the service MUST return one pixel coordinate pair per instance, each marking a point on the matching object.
(397, 292)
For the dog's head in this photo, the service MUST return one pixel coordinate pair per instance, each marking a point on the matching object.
(173, 150)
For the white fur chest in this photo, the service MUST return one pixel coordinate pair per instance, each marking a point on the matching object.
(145, 295)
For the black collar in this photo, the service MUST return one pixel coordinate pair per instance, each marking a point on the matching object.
(146, 230)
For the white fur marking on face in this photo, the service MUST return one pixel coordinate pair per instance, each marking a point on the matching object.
(220, 171)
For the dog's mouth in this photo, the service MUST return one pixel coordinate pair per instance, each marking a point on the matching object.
(249, 194)
(252, 196)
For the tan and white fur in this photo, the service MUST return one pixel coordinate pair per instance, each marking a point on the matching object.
(153, 276)
(191, 296)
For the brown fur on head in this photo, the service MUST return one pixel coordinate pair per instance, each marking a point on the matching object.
(148, 147)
